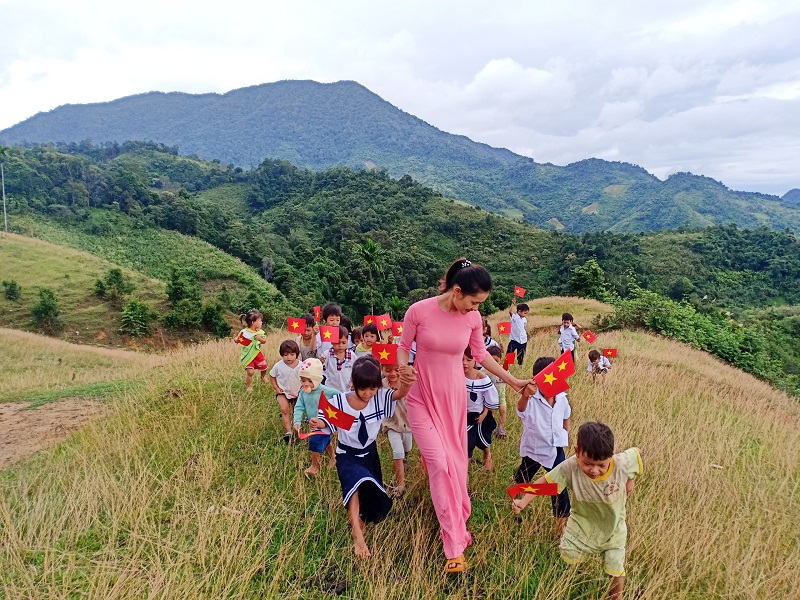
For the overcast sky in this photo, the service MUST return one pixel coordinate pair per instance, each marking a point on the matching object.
(701, 86)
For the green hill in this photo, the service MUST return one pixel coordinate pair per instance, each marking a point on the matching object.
(319, 126)
(186, 490)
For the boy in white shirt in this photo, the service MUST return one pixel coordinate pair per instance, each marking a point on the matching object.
(568, 335)
(519, 329)
(545, 434)
(598, 364)
(285, 378)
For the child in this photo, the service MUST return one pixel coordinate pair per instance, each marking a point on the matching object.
(308, 406)
(519, 329)
(355, 339)
(331, 316)
(545, 434)
(307, 341)
(500, 386)
(598, 364)
(251, 338)
(285, 379)
(481, 399)
(600, 482)
(369, 335)
(397, 430)
(487, 335)
(568, 335)
(357, 462)
(339, 364)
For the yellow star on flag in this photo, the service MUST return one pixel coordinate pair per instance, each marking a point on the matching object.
(295, 325)
(383, 322)
(550, 378)
(331, 413)
(327, 335)
(502, 328)
(400, 330)
(530, 489)
(369, 321)
(384, 355)
(608, 352)
(562, 366)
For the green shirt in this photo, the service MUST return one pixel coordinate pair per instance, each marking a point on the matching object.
(597, 519)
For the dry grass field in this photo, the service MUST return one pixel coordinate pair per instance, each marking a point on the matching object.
(186, 491)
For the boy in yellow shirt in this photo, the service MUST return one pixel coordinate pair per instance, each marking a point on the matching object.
(599, 482)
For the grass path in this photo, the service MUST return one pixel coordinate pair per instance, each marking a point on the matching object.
(123, 508)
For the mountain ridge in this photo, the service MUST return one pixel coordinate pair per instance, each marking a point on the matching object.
(344, 124)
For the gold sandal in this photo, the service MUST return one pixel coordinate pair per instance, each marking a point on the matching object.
(456, 565)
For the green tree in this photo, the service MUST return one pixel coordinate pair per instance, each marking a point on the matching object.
(137, 318)
(374, 258)
(46, 311)
(589, 280)
(11, 290)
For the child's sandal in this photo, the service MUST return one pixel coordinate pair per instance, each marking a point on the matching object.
(456, 565)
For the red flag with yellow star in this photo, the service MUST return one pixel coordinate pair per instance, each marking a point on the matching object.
(333, 415)
(317, 313)
(519, 291)
(296, 325)
(509, 360)
(385, 353)
(369, 319)
(610, 352)
(589, 336)
(564, 365)
(397, 328)
(550, 381)
(537, 489)
(329, 334)
(383, 322)
(504, 328)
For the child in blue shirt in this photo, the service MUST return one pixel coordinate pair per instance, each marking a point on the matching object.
(307, 407)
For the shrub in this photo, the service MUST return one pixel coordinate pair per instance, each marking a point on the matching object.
(186, 314)
(212, 317)
(114, 286)
(11, 290)
(45, 311)
(137, 318)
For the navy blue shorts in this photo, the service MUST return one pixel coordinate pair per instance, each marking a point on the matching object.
(318, 443)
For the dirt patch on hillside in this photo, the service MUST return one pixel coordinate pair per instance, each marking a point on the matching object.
(23, 431)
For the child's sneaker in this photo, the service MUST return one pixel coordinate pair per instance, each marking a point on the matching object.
(501, 433)
(287, 437)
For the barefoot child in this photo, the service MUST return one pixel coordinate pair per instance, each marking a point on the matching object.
(251, 338)
(357, 460)
(397, 430)
(497, 353)
(339, 364)
(600, 482)
(285, 378)
(481, 400)
(545, 435)
(308, 406)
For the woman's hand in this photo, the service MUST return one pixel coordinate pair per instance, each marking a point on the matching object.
(518, 385)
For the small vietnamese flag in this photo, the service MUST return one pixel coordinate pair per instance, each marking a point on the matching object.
(550, 381)
(383, 321)
(385, 353)
(329, 334)
(304, 436)
(317, 313)
(334, 416)
(589, 336)
(509, 360)
(519, 291)
(504, 328)
(397, 328)
(565, 366)
(296, 325)
(369, 319)
(610, 352)
(537, 489)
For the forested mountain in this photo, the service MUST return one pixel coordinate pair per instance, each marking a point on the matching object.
(318, 126)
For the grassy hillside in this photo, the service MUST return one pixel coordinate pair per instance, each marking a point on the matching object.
(195, 495)
(343, 124)
(85, 317)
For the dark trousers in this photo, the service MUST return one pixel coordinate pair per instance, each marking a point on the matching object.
(572, 351)
(526, 473)
(514, 346)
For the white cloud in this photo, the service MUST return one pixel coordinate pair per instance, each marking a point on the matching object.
(712, 87)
